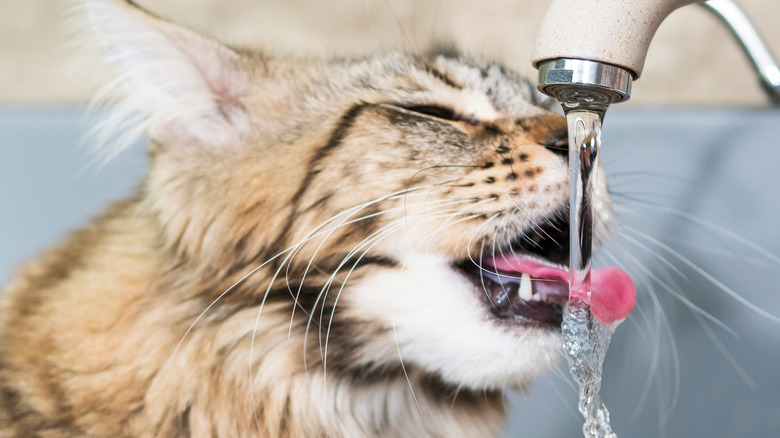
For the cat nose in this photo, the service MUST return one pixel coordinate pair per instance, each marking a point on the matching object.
(558, 143)
(548, 130)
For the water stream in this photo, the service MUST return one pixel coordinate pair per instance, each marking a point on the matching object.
(585, 339)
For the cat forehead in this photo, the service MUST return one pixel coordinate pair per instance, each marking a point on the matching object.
(439, 77)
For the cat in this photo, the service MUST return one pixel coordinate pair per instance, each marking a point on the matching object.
(313, 252)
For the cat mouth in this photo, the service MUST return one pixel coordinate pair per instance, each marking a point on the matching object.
(526, 282)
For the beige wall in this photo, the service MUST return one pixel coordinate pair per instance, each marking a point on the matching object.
(693, 60)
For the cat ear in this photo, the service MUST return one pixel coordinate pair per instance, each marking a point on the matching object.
(188, 90)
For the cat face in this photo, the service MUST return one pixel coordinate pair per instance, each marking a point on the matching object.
(371, 199)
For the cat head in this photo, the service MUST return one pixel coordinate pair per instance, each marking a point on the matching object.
(372, 199)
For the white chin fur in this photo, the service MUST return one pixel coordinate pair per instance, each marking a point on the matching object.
(442, 326)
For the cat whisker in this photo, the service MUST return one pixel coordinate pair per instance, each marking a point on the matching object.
(660, 323)
(485, 16)
(655, 255)
(400, 356)
(564, 377)
(403, 366)
(417, 173)
(714, 281)
(371, 21)
(312, 258)
(407, 40)
(680, 297)
(481, 252)
(435, 20)
(534, 225)
(719, 230)
(370, 241)
(365, 246)
(444, 225)
(233, 286)
(441, 185)
(373, 242)
(455, 396)
(471, 241)
(276, 274)
(444, 204)
(313, 234)
(344, 223)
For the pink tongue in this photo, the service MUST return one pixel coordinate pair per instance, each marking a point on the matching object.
(613, 295)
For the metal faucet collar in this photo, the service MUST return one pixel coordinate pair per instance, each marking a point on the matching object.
(584, 84)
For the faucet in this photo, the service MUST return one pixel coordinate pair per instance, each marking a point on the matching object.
(589, 52)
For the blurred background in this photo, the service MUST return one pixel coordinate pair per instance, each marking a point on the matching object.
(692, 162)
(692, 60)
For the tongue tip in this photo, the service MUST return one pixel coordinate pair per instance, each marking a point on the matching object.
(615, 294)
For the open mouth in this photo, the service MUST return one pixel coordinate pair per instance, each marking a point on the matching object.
(526, 282)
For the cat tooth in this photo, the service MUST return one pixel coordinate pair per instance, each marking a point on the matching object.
(525, 291)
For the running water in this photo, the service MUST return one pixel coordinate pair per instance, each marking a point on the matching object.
(585, 338)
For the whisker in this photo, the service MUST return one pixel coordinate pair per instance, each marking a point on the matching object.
(233, 286)
(485, 16)
(200, 316)
(393, 226)
(371, 21)
(696, 268)
(655, 255)
(534, 225)
(403, 366)
(276, 274)
(371, 241)
(435, 20)
(691, 306)
(443, 225)
(411, 43)
(374, 237)
(719, 230)
(343, 223)
(366, 245)
(481, 252)
(455, 396)
(729, 357)
(660, 322)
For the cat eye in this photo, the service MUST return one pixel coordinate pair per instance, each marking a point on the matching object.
(441, 112)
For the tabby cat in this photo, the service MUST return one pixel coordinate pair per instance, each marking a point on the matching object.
(312, 254)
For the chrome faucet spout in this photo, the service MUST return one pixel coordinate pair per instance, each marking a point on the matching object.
(752, 45)
(582, 84)
(589, 52)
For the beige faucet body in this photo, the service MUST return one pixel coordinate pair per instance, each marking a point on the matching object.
(616, 32)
